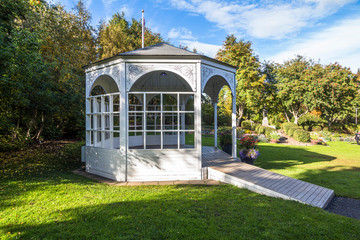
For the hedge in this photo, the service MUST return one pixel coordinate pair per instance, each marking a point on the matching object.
(302, 135)
(246, 124)
(285, 126)
(268, 131)
(292, 129)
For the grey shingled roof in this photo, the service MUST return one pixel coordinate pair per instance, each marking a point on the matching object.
(160, 49)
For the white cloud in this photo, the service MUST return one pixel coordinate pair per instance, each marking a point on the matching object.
(266, 19)
(339, 43)
(181, 33)
(209, 50)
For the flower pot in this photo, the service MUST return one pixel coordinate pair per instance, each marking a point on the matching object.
(274, 140)
(227, 148)
(248, 161)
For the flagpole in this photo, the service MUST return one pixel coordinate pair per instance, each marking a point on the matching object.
(142, 29)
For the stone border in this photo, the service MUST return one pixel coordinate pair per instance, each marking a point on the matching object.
(81, 172)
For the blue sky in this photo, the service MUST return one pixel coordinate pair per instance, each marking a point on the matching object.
(328, 30)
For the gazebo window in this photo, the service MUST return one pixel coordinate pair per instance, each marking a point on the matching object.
(161, 120)
(103, 120)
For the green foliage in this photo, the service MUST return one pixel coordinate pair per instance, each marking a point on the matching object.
(293, 86)
(261, 130)
(246, 125)
(225, 139)
(285, 126)
(119, 35)
(268, 131)
(310, 120)
(301, 135)
(292, 130)
(255, 126)
(249, 79)
(275, 135)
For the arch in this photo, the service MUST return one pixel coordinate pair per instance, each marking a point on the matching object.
(106, 82)
(213, 86)
(160, 81)
(184, 71)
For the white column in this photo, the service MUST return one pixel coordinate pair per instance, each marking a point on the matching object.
(233, 124)
(215, 125)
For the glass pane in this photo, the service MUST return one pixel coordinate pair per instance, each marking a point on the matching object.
(116, 140)
(187, 121)
(170, 121)
(136, 140)
(169, 102)
(91, 138)
(187, 102)
(98, 120)
(135, 102)
(116, 103)
(135, 121)
(170, 140)
(107, 122)
(153, 140)
(153, 121)
(98, 104)
(98, 139)
(116, 121)
(187, 140)
(153, 102)
(91, 122)
(107, 104)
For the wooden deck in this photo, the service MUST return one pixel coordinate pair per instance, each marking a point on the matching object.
(219, 165)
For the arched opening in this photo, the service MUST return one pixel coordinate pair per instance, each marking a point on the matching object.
(161, 112)
(103, 114)
(214, 86)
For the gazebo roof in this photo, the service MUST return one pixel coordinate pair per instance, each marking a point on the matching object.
(161, 50)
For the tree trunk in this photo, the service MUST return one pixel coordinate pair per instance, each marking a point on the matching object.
(240, 113)
(286, 115)
(31, 124)
(37, 136)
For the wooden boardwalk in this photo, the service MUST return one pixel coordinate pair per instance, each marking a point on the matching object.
(219, 165)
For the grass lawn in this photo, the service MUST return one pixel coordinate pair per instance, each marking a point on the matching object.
(336, 167)
(41, 199)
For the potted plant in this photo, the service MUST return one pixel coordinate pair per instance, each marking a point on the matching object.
(249, 155)
(226, 142)
(275, 136)
(248, 152)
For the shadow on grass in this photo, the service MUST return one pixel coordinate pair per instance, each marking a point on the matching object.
(273, 157)
(186, 212)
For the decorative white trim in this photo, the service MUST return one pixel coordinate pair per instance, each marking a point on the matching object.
(91, 76)
(135, 71)
(207, 72)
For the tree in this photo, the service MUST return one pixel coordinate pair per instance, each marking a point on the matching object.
(249, 80)
(293, 87)
(333, 90)
(118, 36)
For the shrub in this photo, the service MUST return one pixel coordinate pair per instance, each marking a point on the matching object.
(275, 135)
(225, 139)
(285, 126)
(262, 138)
(291, 130)
(310, 121)
(268, 131)
(261, 130)
(301, 135)
(246, 124)
(255, 126)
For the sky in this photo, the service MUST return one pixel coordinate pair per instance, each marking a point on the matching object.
(327, 31)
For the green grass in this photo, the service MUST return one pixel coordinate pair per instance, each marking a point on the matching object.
(53, 203)
(336, 167)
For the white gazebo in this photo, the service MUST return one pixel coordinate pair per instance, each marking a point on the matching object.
(143, 113)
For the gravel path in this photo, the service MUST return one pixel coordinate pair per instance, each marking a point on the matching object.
(348, 207)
